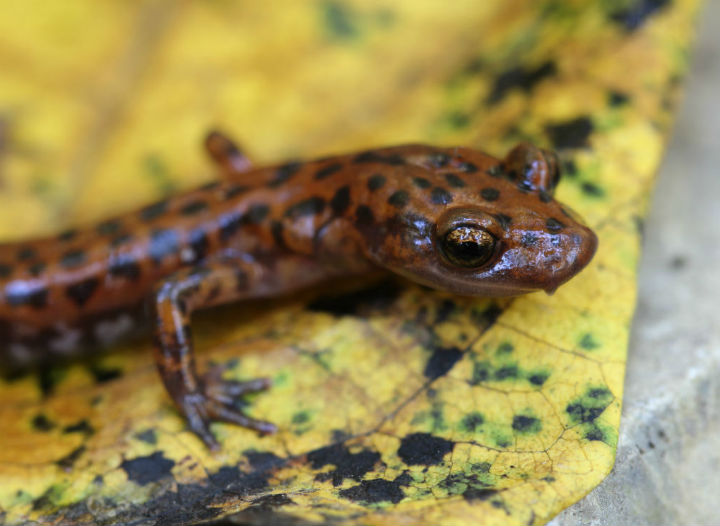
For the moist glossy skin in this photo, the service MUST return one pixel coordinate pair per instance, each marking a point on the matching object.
(452, 218)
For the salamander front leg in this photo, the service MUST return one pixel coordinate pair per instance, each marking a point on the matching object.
(225, 153)
(201, 399)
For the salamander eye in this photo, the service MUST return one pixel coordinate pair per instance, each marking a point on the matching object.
(468, 246)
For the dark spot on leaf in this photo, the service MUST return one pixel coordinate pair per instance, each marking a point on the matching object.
(424, 449)
(148, 436)
(506, 372)
(519, 78)
(617, 98)
(347, 465)
(538, 378)
(376, 297)
(339, 21)
(479, 493)
(373, 491)
(104, 374)
(592, 189)
(265, 505)
(570, 134)
(82, 426)
(144, 470)
(587, 342)
(68, 460)
(637, 12)
(458, 119)
(441, 361)
(472, 421)
(41, 422)
(526, 424)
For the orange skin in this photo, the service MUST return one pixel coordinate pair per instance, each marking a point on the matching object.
(455, 219)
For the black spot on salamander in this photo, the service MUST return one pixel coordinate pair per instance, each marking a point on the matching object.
(120, 240)
(284, 173)
(637, 12)
(421, 183)
(440, 196)
(193, 207)
(81, 291)
(199, 243)
(163, 243)
(375, 182)
(544, 196)
(528, 240)
(67, 235)
(5, 270)
(574, 133)
(212, 185)
(256, 214)
(468, 168)
(310, 206)
(37, 268)
(454, 181)
(327, 171)
(503, 220)
(235, 190)
(490, 194)
(73, 258)
(125, 266)
(553, 225)
(153, 211)
(494, 171)
(144, 470)
(423, 449)
(399, 198)
(229, 225)
(276, 229)
(519, 78)
(364, 216)
(109, 228)
(439, 160)
(19, 293)
(26, 254)
(341, 200)
(374, 157)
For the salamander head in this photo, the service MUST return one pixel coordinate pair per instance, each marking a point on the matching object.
(478, 226)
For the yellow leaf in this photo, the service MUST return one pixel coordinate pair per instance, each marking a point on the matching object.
(395, 404)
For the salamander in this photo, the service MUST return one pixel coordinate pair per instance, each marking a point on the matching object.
(455, 219)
